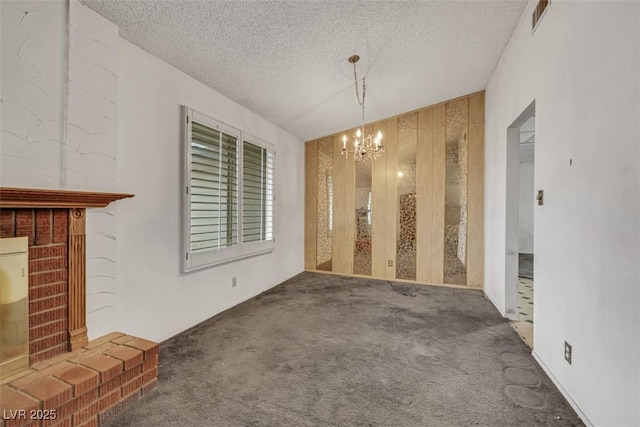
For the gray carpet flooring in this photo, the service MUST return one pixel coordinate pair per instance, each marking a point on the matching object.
(325, 350)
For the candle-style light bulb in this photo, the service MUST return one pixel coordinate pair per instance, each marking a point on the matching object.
(379, 136)
(358, 133)
(344, 142)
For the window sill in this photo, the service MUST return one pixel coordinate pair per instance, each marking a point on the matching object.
(226, 261)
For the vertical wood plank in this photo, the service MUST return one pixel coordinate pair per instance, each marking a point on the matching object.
(424, 195)
(310, 203)
(339, 209)
(391, 238)
(438, 194)
(475, 196)
(77, 279)
(378, 210)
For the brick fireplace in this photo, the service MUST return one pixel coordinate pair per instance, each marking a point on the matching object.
(81, 382)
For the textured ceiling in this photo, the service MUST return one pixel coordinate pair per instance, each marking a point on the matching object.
(287, 60)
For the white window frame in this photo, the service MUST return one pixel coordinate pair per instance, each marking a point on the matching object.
(198, 261)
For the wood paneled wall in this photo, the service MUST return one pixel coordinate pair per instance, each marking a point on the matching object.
(310, 204)
(431, 161)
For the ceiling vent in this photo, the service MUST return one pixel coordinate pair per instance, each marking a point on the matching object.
(538, 13)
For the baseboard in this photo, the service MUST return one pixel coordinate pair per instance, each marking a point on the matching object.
(387, 279)
(564, 392)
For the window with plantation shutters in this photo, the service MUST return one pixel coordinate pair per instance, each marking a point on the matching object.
(228, 208)
(257, 196)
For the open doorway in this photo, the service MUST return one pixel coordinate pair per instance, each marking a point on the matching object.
(520, 223)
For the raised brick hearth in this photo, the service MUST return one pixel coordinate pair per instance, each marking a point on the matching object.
(86, 387)
(70, 381)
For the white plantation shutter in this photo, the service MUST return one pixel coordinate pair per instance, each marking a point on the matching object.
(225, 181)
(214, 194)
(257, 197)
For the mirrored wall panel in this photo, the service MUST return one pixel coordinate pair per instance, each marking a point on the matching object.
(363, 215)
(325, 205)
(455, 233)
(406, 224)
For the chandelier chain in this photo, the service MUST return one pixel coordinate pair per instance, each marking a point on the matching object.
(364, 86)
(364, 146)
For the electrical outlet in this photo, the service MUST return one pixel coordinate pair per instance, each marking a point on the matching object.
(234, 282)
(567, 352)
(390, 263)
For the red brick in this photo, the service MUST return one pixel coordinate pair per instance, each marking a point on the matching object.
(14, 401)
(49, 251)
(82, 379)
(122, 339)
(150, 364)
(108, 386)
(102, 348)
(109, 400)
(7, 223)
(130, 356)
(149, 375)
(39, 357)
(75, 404)
(125, 377)
(37, 319)
(37, 279)
(149, 348)
(21, 421)
(44, 235)
(107, 366)
(48, 342)
(42, 366)
(60, 225)
(50, 289)
(146, 389)
(45, 371)
(118, 408)
(47, 264)
(91, 422)
(52, 393)
(131, 374)
(133, 385)
(43, 304)
(58, 422)
(47, 329)
(86, 413)
(25, 224)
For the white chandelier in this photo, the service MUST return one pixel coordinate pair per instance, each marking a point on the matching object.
(363, 146)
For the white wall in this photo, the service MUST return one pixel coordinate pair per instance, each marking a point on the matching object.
(154, 299)
(526, 206)
(33, 91)
(582, 69)
(91, 155)
(48, 141)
